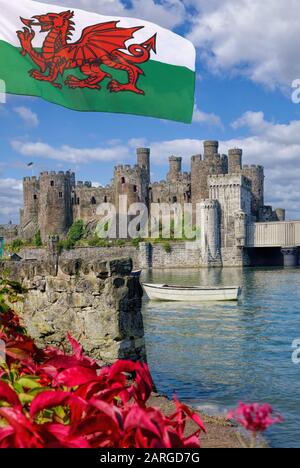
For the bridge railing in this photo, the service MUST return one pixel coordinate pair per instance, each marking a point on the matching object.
(274, 234)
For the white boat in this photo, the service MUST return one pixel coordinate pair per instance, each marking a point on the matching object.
(163, 292)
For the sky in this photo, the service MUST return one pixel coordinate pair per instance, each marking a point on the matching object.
(247, 58)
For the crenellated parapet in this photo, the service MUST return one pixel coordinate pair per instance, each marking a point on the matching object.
(231, 180)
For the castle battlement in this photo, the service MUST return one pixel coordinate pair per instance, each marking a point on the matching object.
(86, 184)
(229, 179)
(209, 204)
(253, 167)
(30, 179)
(196, 158)
(57, 174)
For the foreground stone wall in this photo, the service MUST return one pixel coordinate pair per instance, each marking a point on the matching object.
(87, 253)
(97, 302)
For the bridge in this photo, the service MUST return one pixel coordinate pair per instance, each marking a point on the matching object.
(284, 235)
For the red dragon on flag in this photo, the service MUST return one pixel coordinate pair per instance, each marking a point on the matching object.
(100, 44)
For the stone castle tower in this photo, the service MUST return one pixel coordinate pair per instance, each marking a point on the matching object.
(55, 208)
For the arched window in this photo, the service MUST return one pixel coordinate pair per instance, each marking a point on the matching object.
(123, 181)
(93, 201)
(52, 183)
(35, 197)
(135, 188)
(174, 199)
(105, 199)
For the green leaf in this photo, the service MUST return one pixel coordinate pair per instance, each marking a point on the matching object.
(29, 382)
(38, 390)
(25, 398)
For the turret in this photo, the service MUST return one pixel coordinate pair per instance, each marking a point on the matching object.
(31, 200)
(175, 168)
(210, 228)
(235, 161)
(280, 214)
(143, 160)
(211, 148)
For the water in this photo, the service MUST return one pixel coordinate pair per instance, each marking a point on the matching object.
(215, 355)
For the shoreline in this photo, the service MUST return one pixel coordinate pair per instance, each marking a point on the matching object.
(220, 432)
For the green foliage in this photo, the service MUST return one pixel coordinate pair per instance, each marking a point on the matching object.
(38, 239)
(65, 244)
(76, 231)
(75, 235)
(120, 243)
(16, 245)
(10, 292)
(136, 242)
(167, 247)
(95, 241)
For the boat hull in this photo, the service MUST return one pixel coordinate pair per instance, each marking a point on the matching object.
(159, 292)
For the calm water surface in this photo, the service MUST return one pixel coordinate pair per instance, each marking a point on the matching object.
(215, 355)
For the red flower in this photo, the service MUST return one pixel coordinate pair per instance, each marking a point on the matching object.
(254, 417)
(57, 400)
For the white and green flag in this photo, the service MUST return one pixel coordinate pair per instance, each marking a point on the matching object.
(89, 62)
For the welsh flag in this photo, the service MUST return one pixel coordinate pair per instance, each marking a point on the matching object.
(89, 62)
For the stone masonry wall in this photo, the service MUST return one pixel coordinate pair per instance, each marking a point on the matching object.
(182, 255)
(87, 253)
(97, 302)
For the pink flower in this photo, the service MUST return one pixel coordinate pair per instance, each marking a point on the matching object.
(254, 417)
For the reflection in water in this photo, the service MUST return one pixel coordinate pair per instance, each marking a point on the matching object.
(217, 354)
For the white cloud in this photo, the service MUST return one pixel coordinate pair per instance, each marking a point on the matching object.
(254, 38)
(167, 13)
(27, 115)
(10, 200)
(71, 155)
(206, 118)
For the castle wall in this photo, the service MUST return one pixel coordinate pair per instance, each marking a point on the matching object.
(86, 199)
(178, 191)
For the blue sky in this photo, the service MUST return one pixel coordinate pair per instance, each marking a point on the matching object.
(243, 98)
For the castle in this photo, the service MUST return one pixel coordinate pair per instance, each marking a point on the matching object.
(231, 196)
